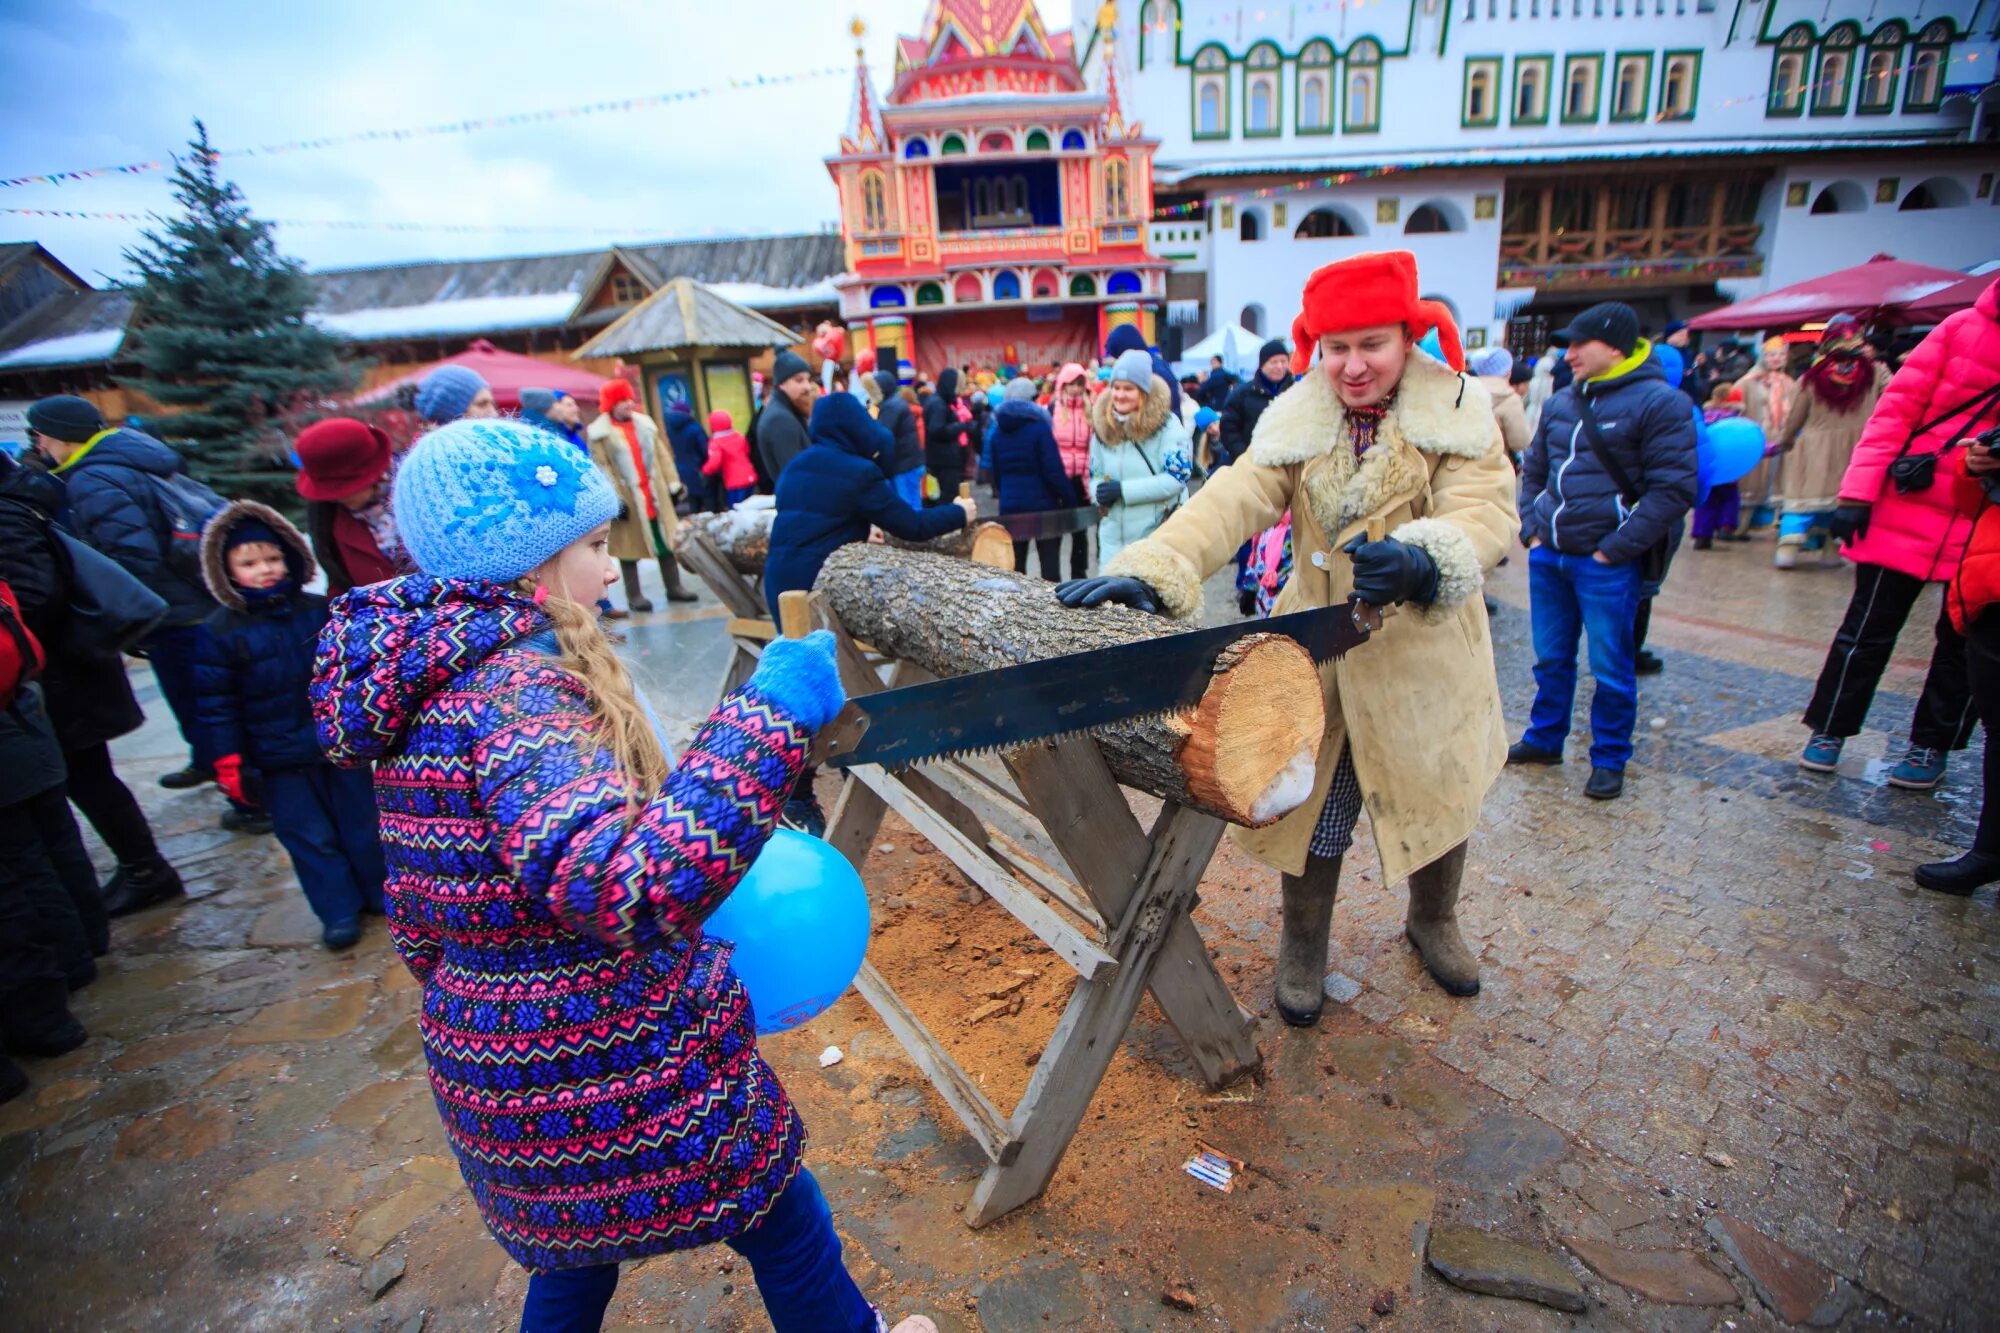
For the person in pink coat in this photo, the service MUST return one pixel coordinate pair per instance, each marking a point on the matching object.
(729, 457)
(1903, 535)
(1069, 417)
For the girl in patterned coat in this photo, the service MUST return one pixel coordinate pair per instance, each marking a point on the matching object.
(591, 1052)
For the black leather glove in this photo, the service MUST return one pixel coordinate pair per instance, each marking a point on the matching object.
(1390, 572)
(1849, 523)
(1108, 588)
(1110, 492)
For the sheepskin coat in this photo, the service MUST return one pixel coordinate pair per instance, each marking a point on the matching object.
(1419, 704)
(612, 453)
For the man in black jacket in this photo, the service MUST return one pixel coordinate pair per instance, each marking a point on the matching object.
(781, 426)
(1247, 401)
(906, 455)
(1609, 474)
(945, 436)
(1215, 390)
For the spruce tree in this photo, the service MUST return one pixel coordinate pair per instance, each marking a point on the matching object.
(222, 338)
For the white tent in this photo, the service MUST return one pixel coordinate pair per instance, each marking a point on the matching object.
(1236, 345)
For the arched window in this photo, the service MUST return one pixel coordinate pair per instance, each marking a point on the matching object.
(1315, 80)
(1428, 219)
(1840, 197)
(1252, 319)
(1211, 93)
(1580, 88)
(1878, 81)
(1531, 92)
(917, 148)
(885, 297)
(966, 289)
(1628, 96)
(930, 293)
(1038, 141)
(982, 198)
(1045, 285)
(1250, 225)
(1677, 87)
(1083, 285)
(1324, 224)
(951, 146)
(1836, 73)
(1788, 72)
(1937, 192)
(1007, 286)
(874, 208)
(1364, 86)
(1156, 32)
(1117, 188)
(996, 142)
(1480, 108)
(1073, 141)
(1260, 90)
(1926, 84)
(1123, 283)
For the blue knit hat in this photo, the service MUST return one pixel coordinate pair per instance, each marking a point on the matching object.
(446, 392)
(1134, 367)
(492, 499)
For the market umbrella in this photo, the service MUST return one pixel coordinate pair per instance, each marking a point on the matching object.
(1879, 291)
(1949, 300)
(507, 372)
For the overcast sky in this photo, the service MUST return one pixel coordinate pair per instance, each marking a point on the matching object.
(93, 83)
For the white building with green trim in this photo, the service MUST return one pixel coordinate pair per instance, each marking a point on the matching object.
(1538, 155)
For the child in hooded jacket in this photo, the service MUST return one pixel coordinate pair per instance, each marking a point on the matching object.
(592, 1053)
(253, 667)
(729, 459)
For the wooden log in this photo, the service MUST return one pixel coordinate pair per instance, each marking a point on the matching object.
(1245, 754)
(743, 538)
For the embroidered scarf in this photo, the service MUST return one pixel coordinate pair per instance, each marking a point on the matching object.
(1363, 421)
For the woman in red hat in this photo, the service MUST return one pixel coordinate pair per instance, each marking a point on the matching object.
(1382, 431)
(344, 478)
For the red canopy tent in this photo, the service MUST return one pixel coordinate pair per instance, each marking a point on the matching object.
(1950, 300)
(507, 372)
(1885, 290)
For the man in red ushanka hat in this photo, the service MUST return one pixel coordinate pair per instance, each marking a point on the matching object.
(1381, 430)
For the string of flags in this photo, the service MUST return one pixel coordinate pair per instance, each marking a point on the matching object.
(475, 125)
(1270, 191)
(340, 224)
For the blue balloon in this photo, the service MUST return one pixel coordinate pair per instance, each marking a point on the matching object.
(1736, 445)
(799, 921)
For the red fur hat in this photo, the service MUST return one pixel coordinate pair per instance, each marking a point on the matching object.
(615, 392)
(1362, 291)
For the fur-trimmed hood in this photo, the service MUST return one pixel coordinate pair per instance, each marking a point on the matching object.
(215, 541)
(1141, 425)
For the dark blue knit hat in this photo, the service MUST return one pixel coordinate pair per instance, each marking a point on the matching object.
(251, 530)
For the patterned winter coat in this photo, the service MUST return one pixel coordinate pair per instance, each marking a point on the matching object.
(593, 1056)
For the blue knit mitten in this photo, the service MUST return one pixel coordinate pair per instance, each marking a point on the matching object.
(799, 677)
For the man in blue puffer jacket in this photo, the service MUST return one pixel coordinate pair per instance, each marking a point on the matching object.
(1585, 541)
(113, 482)
(254, 665)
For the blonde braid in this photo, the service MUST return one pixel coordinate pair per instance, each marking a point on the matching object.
(622, 726)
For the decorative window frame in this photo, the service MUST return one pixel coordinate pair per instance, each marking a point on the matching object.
(1216, 75)
(1667, 59)
(880, 221)
(1796, 44)
(1121, 168)
(1272, 75)
(1934, 40)
(1619, 64)
(1843, 41)
(1545, 62)
(1571, 63)
(1309, 66)
(1493, 67)
(1365, 56)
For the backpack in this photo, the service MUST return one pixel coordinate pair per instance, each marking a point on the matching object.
(187, 505)
(21, 656)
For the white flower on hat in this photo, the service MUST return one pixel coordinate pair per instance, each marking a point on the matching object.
(545, 475)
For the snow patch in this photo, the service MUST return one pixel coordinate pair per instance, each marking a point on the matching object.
(763, 296)
(476, 314)
(1289, 790)
(73, 349)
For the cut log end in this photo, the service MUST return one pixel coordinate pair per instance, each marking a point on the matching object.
(992, 546)
(1253, 741)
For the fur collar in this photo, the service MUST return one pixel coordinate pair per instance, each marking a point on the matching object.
(1143, 424)
(215, 567)
(1437, 412)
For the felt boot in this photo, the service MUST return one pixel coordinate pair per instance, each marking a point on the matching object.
(1307, 920)
(634, 599)
(1432, 924)
(670, 571)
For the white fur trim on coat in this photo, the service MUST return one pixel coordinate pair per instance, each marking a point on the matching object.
(1459, 574)
(1437, 410)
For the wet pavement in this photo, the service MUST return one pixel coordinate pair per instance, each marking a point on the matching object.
(1729, 1068)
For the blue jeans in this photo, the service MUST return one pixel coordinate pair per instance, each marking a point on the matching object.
(325, 818)
(171, 649)
(793, 1253)
(909, 487)
(1568, 595)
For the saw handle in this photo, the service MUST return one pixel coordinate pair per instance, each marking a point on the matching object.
(1378, 530)
(965, 490)
(795, 614)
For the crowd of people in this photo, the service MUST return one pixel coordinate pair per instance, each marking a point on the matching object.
(461, 628)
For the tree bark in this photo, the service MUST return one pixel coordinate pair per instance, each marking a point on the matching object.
(743, 537)
(1244, 754)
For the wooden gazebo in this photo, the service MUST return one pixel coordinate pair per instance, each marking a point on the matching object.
(691, 345)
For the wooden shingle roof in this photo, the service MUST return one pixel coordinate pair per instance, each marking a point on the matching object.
(684, 313)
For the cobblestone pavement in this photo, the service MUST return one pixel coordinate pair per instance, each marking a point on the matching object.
(1725, 1052)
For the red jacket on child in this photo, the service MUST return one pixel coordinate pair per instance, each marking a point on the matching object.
(728, 453)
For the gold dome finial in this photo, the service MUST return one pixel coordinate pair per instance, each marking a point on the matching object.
(858, 28)
(1107, 15)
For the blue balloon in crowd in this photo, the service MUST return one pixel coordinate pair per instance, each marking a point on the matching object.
(799, 921)
(1736, 447)
(1430, 343)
